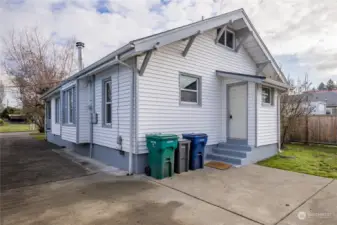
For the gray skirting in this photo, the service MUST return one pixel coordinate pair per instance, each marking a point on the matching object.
(106, 155)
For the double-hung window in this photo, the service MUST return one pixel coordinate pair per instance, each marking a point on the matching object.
(190, 89)
(227, 38)
(57, 110)
(69, 106)
(107, 103)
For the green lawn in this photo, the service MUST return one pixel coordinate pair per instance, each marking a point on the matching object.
(315, 160)
(38, 136)
(7, 128)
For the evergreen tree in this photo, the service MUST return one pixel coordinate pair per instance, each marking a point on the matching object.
(321, 86)
(331, 85)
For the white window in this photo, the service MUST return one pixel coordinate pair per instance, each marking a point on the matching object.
(227, 38)
(267, 97)
(57, 110)
(69, 106)
(189, 89)
(107, 103)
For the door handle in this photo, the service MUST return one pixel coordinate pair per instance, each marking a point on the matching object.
(230, 116)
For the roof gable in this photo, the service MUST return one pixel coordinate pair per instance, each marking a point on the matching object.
(237, 20)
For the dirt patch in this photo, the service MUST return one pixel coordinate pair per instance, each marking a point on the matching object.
(26, 161)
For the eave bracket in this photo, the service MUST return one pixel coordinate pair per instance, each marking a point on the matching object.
(145, 62)
(261, 66)
(189, 43)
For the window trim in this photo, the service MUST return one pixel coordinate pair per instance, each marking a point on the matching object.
(105, 103)
(71, 89)
(198, 91)
(271, 96)
(225, 38)
(230, 31)
(57, 110)
(72, 104)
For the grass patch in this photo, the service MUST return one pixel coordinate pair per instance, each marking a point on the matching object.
(315, 160)
(38, 136)
(10, 127)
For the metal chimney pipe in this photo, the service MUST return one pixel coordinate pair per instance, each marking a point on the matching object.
(79, 46)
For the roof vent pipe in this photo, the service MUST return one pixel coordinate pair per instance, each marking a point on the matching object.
(79, 46)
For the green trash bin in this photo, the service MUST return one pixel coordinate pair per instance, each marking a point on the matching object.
(161, 154)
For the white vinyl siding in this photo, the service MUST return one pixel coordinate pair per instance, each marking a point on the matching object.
(121, 119)
(68, 133)
(84, 113)
(55, 127)
(266, 120)
(159, 103)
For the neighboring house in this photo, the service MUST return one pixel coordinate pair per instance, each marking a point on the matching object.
(214, 76)
(318, 108)
(328, 98)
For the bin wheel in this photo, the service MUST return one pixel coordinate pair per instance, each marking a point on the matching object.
(148, 171)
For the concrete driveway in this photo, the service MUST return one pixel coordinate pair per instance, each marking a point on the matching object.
(263, 195)
(249, 195)
(25, 161)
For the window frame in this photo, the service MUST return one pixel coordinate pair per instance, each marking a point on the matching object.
(198, 91)
(70, 96)
(69, 93)
(225, 38)
(105, 102)
(271, 96)
(57, 110)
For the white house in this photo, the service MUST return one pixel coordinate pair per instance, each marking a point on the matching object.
(215, 76)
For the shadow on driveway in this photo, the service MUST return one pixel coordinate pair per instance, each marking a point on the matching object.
(25, 161)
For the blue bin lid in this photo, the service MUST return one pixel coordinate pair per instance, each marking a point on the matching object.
(195, 135)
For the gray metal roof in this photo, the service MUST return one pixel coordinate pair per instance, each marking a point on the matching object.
(330, 97)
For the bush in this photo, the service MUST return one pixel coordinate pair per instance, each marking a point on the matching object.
(2, 122)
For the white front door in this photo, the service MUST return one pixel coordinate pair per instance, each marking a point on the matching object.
(237, 110)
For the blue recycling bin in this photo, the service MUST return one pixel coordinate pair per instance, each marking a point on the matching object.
(198, 143)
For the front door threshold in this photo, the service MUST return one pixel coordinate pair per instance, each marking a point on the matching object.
(237, 141)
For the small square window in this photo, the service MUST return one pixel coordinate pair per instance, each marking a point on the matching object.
(267, 97)
(189, 89)
(227, 38)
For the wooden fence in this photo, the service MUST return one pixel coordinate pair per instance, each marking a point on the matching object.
(315, 129)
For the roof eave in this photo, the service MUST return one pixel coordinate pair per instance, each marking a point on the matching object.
(125, 49)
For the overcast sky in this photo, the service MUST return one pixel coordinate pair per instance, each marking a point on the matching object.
(301, 34)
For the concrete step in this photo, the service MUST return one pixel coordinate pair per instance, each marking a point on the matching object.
(236, 161)
(230, 152)
(234, 147)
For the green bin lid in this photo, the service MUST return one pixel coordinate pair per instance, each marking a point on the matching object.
(162, 136)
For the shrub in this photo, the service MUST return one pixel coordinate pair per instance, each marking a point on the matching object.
(2, 122)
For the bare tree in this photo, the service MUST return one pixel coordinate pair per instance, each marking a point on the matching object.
(36, 64)
(2, 94)
(293, 107)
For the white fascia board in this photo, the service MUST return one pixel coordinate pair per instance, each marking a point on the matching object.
(174, 35)
(276, 84)
(238, 76)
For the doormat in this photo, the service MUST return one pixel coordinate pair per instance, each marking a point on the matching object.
(218, 165)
